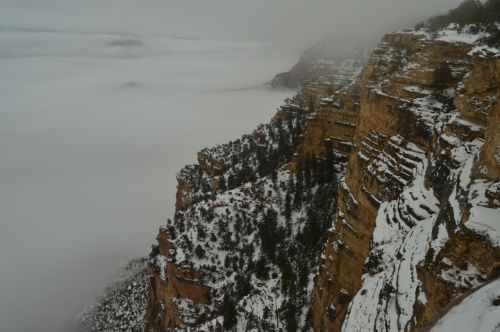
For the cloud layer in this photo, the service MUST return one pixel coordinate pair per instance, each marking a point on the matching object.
(93, 128)
(295, 23)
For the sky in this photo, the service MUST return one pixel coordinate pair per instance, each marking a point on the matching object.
(295, 23)
(102, 102)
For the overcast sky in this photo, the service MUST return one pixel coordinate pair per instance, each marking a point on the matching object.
(294, 23)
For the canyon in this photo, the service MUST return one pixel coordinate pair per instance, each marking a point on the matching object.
(415, 225)
(370, 202)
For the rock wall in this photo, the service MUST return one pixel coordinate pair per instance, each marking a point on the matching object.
(169, 283)
(404, 203)
(333, 124)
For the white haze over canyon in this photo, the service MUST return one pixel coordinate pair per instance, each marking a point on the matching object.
(91, 137)
(102, 102)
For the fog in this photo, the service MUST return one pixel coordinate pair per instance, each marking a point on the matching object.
(102, 102)
(294, 23)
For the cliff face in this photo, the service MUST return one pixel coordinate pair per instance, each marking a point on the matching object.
(370, 201)
(334, 122)
(250, 204)
(417, 216)
(320, 61)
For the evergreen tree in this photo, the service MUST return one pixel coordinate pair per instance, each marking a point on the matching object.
(329, 162)
(228, 312)
(289, 316)
(443, 78)
(155, 251)
(261, 269)
(469, 11)
(492, 10)
(199, 251)
(242, 285)
(266, 313)
(222, 183)
(299, 188)
(288, 207)
(268, 232)
(200, 228)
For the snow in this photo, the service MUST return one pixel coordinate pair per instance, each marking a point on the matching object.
(484, 51)
(486, 221)
(469, 277)
(362, 156)
(453, 35)
(227, 207)
(468, 124)
(161, 263)
(122, 306)
(475, 313)
(417, 89)
(371, 309)
(455, 205)
(483, 219)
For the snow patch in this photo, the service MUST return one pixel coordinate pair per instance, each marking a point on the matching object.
(477, 312)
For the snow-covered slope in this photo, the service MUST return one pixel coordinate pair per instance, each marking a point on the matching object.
(122, 307)
(479, 311)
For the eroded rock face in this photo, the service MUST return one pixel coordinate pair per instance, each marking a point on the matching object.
(169, 283)
(401, 246)
(414, 139)
(333, 124)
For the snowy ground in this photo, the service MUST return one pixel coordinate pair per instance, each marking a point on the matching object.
(93, 128)
(480, 311)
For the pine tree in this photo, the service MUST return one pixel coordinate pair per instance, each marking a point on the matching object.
(261, 269)
(200, 228)
(290, 316)
(242, 285)
(269, 233)
(469, 11)
(288, 207)
(442, 79)
(228, 312)
(199, 251)
(329, 163)
(155, 251)
(222, 183)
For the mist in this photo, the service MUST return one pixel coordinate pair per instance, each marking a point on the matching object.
(102, 102)
(293, 23)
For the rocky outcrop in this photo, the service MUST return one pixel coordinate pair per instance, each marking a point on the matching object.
(333, 124)
(186, 194)
(169, 282)
(405, 201)
(318, 62)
